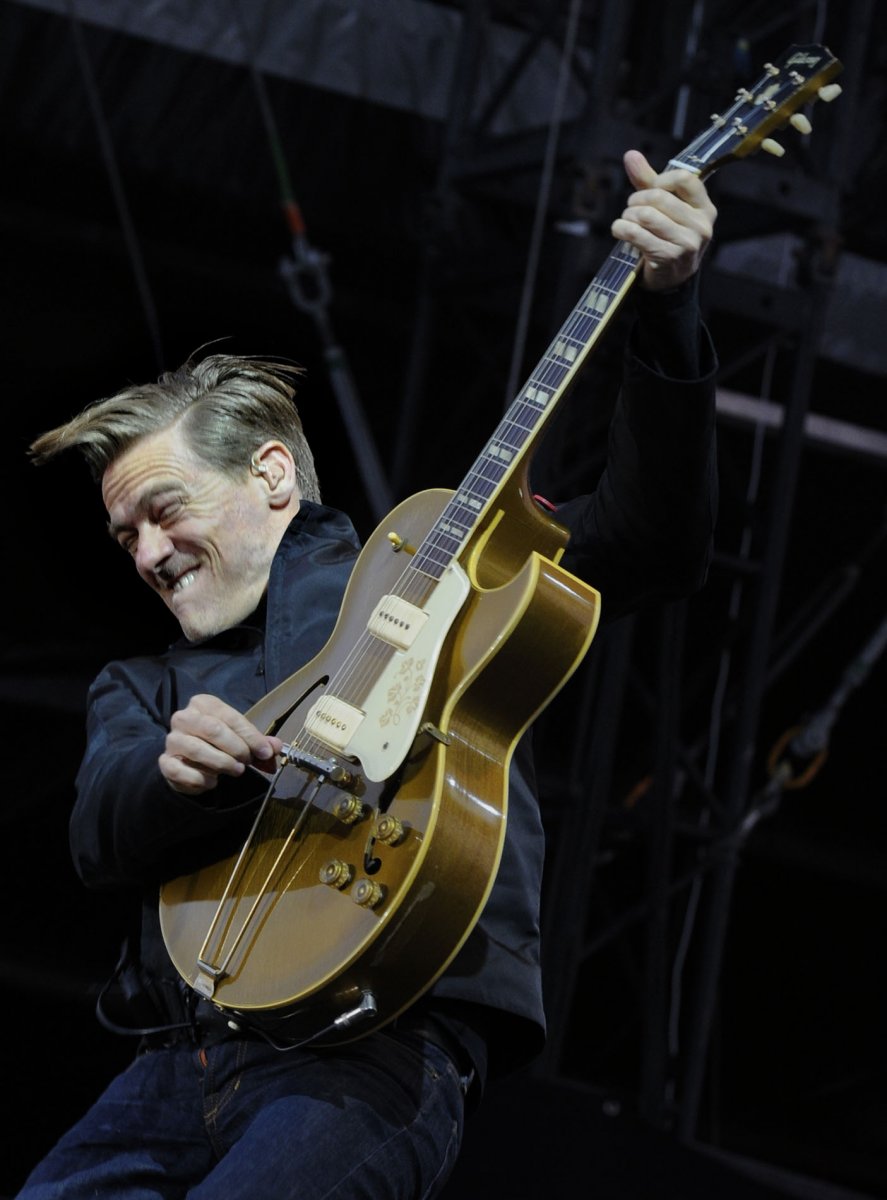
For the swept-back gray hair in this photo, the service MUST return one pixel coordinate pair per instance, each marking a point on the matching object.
(226, 405)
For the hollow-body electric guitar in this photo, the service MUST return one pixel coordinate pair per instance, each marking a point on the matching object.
(377, 845)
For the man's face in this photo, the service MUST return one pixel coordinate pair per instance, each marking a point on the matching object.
(200, 539)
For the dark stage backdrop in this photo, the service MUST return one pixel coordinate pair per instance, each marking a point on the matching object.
(140, 219)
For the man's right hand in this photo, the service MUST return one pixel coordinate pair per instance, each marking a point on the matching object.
(209, 738)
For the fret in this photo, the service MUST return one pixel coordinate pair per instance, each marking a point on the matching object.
(515, 423)
(504, 453)
(567, 349)
(540, 396)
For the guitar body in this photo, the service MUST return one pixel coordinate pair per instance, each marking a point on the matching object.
(282, 927)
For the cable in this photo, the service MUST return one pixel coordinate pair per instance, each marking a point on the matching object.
(307, 281)
(717, 712)
(291, 209)
(106, 145)
(545, 182)
(805, 746)
(822, 604)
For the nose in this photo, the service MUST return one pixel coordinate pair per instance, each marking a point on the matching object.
(154, 547)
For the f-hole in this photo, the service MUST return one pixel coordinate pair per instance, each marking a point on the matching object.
(390, 788)
(280, 721)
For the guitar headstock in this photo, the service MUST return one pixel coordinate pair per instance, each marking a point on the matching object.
(802, 74)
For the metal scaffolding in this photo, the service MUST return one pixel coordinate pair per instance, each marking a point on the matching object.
(699, 802)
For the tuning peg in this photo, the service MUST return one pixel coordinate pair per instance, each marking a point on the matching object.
(830, 92)
(772, 147)
(799, 121)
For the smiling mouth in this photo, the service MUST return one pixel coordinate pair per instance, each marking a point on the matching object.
(183, 581)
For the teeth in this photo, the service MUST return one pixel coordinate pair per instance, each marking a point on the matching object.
(185, 581)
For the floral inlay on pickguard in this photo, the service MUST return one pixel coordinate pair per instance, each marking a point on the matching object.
(405, 692)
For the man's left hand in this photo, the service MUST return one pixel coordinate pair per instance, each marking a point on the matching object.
(669, 218)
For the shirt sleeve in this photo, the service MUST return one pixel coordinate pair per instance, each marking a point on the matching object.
(646, 533)
(128, 827)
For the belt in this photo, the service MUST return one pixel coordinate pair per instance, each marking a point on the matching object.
(435, 1030)
(210, 1022)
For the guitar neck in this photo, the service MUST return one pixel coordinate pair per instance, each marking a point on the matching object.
(801, 75)
(517, 433)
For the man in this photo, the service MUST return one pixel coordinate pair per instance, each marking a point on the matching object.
(210, 487)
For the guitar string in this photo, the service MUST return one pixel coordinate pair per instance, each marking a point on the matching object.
(362, 666)
(574, 331)
(265, 887)
(239, 862)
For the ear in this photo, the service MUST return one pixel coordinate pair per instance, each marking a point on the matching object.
(274, 467)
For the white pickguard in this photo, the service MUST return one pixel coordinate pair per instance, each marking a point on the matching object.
(380, 731)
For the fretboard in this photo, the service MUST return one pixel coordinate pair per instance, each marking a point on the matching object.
(517, 433)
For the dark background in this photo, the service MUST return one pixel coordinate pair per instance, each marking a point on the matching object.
(140, 218)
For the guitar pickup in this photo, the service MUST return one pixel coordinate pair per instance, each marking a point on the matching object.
(334, 721)
(396, 622)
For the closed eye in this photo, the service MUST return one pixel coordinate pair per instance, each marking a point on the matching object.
(168, 512)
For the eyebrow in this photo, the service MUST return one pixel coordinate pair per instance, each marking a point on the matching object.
(145, 502)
